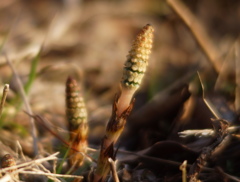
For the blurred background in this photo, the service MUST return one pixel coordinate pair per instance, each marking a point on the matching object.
(89, 39)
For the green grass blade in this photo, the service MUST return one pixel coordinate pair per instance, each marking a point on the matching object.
(60, 166)
(33, 72)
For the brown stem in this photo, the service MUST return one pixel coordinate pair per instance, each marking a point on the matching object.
(113, 131)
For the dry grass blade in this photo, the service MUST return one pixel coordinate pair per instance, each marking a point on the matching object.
(4, 96)
(207, 102)
(42, 121)
(19, 147)
(33, 162)
(51, 174)
(24, 168)
(27, 105)
(199, 33)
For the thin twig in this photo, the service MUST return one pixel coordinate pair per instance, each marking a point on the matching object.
(208, 47)
(43, 168)
(43, 122)
(114, 170)
(27, 105)
(20, 150)
(4, 96)
(54, 166)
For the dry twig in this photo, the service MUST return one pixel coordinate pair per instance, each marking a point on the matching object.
(27, 105)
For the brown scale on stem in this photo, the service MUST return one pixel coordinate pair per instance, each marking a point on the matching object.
(77, 121)
(133, 72)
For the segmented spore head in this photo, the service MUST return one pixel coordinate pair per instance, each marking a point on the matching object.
(75, 107)
(137, 59)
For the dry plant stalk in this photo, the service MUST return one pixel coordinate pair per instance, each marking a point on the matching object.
(197, 29)
(221, 132)
(8, 161)
(77, 119)
(27, 105)
(133, 72)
